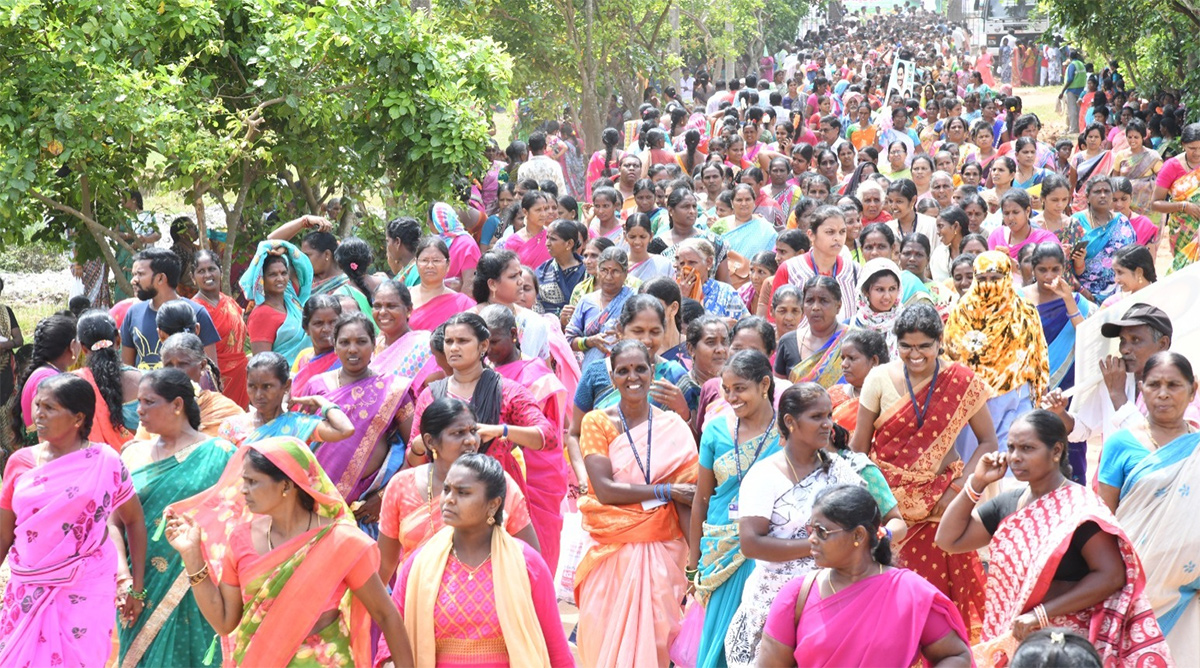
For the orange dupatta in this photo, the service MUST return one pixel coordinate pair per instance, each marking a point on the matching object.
(675, 460)
(273, 626)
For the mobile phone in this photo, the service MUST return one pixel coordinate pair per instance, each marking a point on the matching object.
(1079, 245)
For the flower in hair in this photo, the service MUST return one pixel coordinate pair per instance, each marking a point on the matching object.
(101, 345)
(354, 266)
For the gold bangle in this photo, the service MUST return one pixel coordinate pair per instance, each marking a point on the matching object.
(198, 577)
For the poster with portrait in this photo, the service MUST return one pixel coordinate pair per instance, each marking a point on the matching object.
(902, 79)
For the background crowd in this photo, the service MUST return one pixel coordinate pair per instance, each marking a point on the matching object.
(790, 357)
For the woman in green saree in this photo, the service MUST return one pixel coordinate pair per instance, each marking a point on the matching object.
(179, 463)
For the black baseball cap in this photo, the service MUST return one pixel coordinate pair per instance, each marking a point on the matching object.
(1139, 314)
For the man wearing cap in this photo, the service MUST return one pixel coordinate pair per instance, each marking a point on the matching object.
(1143, 331)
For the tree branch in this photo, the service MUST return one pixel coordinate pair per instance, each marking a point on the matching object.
(1186, 11)
(87, 220)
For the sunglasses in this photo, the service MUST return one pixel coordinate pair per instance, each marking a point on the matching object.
(821, 532)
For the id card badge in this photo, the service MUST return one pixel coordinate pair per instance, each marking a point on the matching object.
(733, 511)
(651, 504)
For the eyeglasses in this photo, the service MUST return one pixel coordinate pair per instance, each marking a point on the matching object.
(923, 347)
(820, 532)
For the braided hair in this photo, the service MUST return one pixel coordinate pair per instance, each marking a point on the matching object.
(51, 338)
(97, 332)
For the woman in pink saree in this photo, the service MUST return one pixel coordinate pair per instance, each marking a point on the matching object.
(464, 252)
(378, 404)
(546, 469)
(433, 302)
(320, 314)
(529, 242)
(54, 505)
(400, 349)
(631, 579)
(857, 588)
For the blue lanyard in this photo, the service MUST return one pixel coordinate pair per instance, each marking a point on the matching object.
(649, 440)
(921, 411)
(762, 440)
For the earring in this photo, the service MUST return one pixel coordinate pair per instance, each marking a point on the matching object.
(855, 543)
(491, 520)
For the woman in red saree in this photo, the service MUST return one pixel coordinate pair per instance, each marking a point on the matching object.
(381, 407)
(1058, 558)
(631, 580)
(547, 468)
(54, 503)
(400, 349)
(320, 315)
(910, 413)
(1177, 192)
(281, 569)
(433, 302)
(227, 318)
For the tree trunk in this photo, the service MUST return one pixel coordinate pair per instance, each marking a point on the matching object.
(201, 216)
(673, 17)
(729, 58)
(421, 6)
(590, 106)
(233, 222)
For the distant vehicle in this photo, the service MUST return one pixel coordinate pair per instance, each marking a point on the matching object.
(1012, 17)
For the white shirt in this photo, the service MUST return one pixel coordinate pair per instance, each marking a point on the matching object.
(686, 87)
(543, 168)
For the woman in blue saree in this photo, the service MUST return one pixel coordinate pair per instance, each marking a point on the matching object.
(290, 337)
(1061, 311)
(730, 445)
(268, 383)
(1149, 485)
(592, 327)
(1105, 232)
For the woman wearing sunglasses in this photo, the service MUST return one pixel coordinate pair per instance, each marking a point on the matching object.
(857, 588)
(775, 507)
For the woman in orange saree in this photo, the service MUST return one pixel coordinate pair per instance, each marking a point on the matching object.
(412, 511)
(862, 350)
(910, 413)
(631, 579)
(227, 318)
(115, 385)
(282, 570)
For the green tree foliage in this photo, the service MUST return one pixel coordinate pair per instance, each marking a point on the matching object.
(252, 104)
(1156, 41)
(578, 52)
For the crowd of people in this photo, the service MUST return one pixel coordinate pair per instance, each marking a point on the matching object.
(859, 308)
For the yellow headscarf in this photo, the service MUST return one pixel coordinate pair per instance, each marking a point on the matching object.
(997, 333)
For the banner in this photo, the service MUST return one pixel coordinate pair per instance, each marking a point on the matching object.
(902, 79)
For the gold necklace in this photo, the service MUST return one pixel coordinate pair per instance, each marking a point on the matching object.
(834, 589)
(471, 571)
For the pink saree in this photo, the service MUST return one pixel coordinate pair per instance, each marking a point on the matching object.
(434, 312)
(532, 252)
(372, 404)
(901, 607)
(410, 356)
(546, 469)
(58, 605)
(309, 366)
